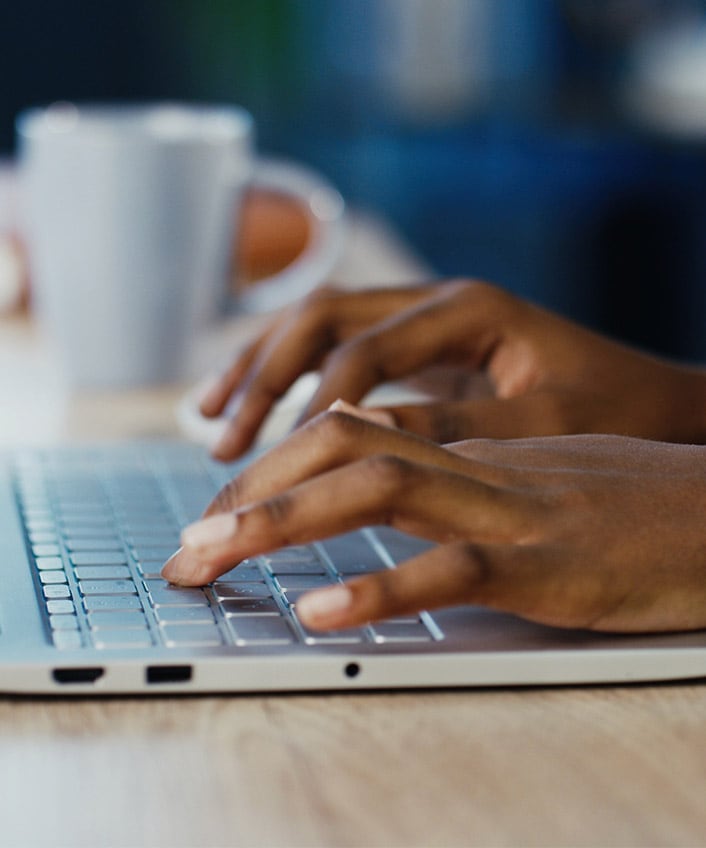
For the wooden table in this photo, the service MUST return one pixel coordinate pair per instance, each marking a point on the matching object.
(589, 766)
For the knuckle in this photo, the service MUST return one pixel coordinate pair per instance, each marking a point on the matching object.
(391, 473)
(379, 594)
(277, 510)
(335, 428)
(477, 569)
(445, 426)
(228, 497)
(268, 523)
(479, 294)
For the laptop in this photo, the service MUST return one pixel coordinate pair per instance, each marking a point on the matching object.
(84, 532)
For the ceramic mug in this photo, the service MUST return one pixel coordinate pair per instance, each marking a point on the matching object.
(129, 213)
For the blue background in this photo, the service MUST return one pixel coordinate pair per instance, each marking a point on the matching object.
(538, 178)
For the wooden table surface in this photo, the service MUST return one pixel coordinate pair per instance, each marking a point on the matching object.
(584, 766)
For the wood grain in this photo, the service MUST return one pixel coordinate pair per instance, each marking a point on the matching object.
(556, 767)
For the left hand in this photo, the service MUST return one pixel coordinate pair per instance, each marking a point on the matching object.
(599, 532)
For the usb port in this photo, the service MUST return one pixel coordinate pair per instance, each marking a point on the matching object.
(168, 673)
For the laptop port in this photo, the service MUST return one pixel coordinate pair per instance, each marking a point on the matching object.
(77, 675)
(168, 673)
(352, 669)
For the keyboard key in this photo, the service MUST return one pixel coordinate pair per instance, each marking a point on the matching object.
(296, 566)
(298, 553)
(60, 607)
(92, 603)
(46, 550)
(352, 568)
(351, 553)
(246, 572)
(121, 638)
(66, 639)
(99, 558)
(87, 528)
(99, 543)
(44, 537)
(196, 615)
(303, 581)
(260, 630)
(35, 525)
(49, 563)
(52, 577)
(332, 637)
(107, 587)
(191, 635)
(63, 622)
(386, 631)
(37, 509)
(162, 539)
(56, 590)
(153, 554)
(165, 594)
(241, 591)
(82, 510)
(117, 620)
(400, 546)
(150, 570)
(102, 572)
(250, 606)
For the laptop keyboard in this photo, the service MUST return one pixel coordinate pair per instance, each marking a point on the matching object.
(100, 524)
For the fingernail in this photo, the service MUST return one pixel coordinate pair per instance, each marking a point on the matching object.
(210, 531)
(323, 605)
(171, 570)
(212, 392)
(375, 416)
(227, 446)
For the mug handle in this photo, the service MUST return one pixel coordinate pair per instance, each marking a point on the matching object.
(325, 209)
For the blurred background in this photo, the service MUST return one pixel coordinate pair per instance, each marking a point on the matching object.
(557, 147)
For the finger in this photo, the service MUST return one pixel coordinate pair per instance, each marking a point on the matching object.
(540, 413)
(381, 489)
(213, 403)
(331, 441)
(299, 344)
(460, 323)
(508, 578)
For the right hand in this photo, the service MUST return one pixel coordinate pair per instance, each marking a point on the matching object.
(545, 375)
(599, 532)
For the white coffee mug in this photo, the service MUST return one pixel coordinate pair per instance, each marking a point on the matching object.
(129, 216)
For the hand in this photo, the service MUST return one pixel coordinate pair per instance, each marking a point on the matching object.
(545, 375)
(599, 532)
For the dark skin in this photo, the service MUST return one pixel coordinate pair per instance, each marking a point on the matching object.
(567, 530)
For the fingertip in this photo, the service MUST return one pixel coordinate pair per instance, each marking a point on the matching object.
(325, 609)
(213, 398)
(230, 445)
(181, 569)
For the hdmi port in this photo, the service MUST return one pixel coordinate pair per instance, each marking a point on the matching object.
(77, 675)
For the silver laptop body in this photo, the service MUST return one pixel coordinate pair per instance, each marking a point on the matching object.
(84, 533)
